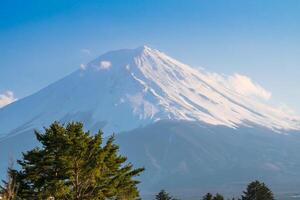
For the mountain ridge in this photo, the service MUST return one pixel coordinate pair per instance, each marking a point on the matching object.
(193, 130)
(129, 88)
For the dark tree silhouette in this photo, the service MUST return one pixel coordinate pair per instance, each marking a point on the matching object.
(257, 191)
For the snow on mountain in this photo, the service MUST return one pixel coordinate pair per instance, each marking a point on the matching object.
(125, 89)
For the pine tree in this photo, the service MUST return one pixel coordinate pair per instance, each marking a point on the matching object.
(218, 197)
(257, 191)
(10, 187)
(163, 195)
(72, 164)
(208, 196)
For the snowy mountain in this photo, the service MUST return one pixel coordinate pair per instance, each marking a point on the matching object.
(193, 130)
(126, 89)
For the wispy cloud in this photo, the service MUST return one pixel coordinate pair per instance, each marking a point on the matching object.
(86, 51)
(82, 66)
(105, 65)
(245, 86)
(242, 85)
(287, 109)
(7, 98)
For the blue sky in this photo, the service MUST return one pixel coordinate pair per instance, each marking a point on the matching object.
(42, 41)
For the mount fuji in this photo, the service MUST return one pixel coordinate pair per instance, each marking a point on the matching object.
(126, 89)
(172, 118)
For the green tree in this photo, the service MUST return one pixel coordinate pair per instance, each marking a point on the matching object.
(208, 196)
(73, 164)
(257, 191)
(218, 197)
(9, 189)
(163, 195)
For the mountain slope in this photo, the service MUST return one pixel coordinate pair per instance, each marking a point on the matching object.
(194, 131)
(125, 89)
(191, 158)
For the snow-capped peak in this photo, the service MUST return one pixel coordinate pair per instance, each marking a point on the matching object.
(127, 88)
(169, 89)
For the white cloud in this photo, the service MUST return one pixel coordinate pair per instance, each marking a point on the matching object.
(241, 84)
(286, 109)
(105, 65)
(82, 66)
(7, 98)
(86, 51)
(245, 86)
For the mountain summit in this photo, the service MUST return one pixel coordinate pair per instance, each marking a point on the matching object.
(194, 131)
(125, 89)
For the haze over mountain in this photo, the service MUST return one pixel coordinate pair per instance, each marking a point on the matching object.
(184, 124)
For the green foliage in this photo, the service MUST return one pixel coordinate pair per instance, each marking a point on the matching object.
(163, 195)
(10, 187)
(257, 191)
(209, 196)
(218, 197)
(73, 164)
